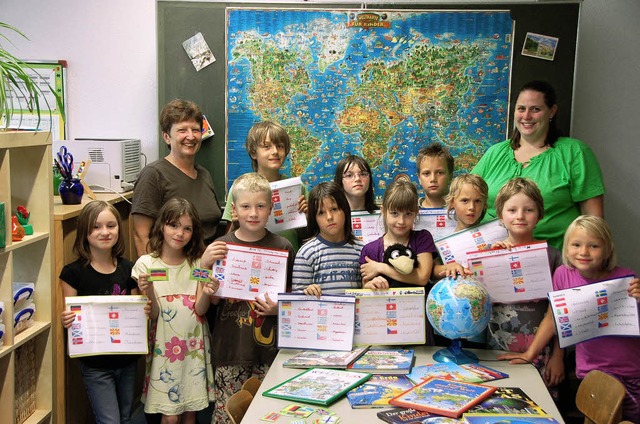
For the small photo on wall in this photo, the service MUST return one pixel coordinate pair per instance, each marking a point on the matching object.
(540, 46)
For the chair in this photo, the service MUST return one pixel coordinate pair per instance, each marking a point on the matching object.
(237, 405)
(252, 385)
(599, 398)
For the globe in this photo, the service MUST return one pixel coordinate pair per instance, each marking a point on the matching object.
(458, 308)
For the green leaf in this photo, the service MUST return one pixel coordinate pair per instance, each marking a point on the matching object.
(14, 78)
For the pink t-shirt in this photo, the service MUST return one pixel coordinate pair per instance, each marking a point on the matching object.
(611, 354)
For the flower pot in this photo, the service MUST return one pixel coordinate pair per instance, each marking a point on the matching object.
(71, 191)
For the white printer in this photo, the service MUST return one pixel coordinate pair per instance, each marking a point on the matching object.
(115, 163)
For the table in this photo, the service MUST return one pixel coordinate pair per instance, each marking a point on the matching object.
(524, 376)
(76, 408)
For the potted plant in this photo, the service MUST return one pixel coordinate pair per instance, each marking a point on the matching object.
(16, 82)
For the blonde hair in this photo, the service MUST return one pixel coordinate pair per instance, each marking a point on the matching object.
(400, 195)
(595, 227)
(519, 185)
(251, 182)
(455, 188)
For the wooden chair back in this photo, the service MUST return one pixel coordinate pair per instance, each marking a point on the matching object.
(599, 398)
(237, 405)
(252, 385)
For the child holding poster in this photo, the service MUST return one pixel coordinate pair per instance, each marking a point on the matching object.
(101, 270)
(467, 198)
(268, 145)
(328, 263)
(179, 378)
(589, 256)
(435, 170)
(244, 339)
(519, 206)
(399, 212)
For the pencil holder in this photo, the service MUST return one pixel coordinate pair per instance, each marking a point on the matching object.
(71, 191)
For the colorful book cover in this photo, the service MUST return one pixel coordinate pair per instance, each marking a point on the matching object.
(324, 358)
(411, 416)
(508, 419)
(384, 361)
(485, 373)
(378, 390)
(507, 400)
(319, 386)
(443, 397)
(447, 370)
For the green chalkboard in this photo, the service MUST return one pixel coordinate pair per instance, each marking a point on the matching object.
(177, 77)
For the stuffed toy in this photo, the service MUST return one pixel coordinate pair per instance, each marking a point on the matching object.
(402, 258)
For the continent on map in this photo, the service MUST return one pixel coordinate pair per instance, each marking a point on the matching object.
(381, 84)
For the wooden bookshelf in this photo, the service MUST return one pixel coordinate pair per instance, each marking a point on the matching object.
(26, 358)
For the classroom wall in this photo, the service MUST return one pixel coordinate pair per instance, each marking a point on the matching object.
(605, 111)
(110, 49)
(112, 83)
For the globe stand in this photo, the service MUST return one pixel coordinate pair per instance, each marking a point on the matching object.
(456, 354)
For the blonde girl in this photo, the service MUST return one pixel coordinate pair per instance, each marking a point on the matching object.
(467, 198)
(179, 377)
(519, 206)
(588, 256)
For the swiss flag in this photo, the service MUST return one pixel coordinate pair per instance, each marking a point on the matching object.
(391, 306)
(113, 315)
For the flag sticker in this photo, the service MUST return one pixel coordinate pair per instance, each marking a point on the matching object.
(158, 274)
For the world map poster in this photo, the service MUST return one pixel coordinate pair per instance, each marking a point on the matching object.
(380, 84)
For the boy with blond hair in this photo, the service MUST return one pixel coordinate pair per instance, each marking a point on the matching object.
(244, 332)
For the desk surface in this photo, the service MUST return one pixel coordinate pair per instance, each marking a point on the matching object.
(62, 212)
(523, 376)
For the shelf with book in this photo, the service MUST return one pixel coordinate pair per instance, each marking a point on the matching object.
(26, 356)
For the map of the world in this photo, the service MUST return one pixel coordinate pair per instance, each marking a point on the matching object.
(380, 84)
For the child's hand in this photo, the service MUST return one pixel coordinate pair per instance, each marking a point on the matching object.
(313, 290)
(266, 306)
(211, 287)
(214, 252)
(378, 283)
(634, 289)
(453, 270)
(369, 269)
(517, 358)
(554, 370)
(302, 204)
(67, 318)
(504, 244)
(147, 309)
(144, 285)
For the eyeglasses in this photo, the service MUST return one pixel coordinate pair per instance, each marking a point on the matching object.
(352, 175)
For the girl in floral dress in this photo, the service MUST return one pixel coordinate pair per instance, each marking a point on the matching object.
(179, 376)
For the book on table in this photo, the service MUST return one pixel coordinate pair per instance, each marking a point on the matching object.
(472, 373)
(443, 397)
(507, 400)
(384, 361)
(412, 416)
(324, 358)
(378, 390)
(318, 386)
(509, 418)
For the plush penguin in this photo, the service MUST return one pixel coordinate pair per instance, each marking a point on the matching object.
(402, 258)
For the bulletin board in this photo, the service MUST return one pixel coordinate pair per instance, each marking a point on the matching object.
(50, 77)
(179, 21)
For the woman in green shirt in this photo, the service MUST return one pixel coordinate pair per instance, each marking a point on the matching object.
(565, 169)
